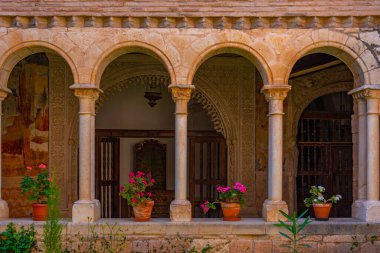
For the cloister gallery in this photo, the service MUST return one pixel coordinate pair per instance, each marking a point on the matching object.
(278, 104)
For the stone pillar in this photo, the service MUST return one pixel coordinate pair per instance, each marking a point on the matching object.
(180, 208)
(86, 208)
(275, 95)
(367, 208)
(362, 157)
(4, 209)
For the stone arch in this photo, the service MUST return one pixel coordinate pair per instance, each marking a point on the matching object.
(238, 48)
(16, 53)
(345, 53)
(130, 47)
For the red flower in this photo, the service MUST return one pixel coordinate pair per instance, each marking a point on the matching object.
(122, 188)
(50, 179)
(29, 168)
(149, 194)
(42, 166)
(142, 194)
(152, 181)
(134, 200)
(131, 175)
(132, 181)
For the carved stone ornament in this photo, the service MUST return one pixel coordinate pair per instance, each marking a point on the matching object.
(181, 92)
(366, 91)
(278, 92)
(86, 91)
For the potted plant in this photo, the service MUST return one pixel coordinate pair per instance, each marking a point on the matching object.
(321, 205)
(231, 199)
(137, 194)
(38, 190)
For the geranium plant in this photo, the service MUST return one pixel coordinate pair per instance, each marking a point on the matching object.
(234, 194)
(136, 190)
(316, 196)
(37, 188)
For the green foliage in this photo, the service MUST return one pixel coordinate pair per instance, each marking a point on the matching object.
(136, 190)
(17, 241)
(294, 228)
(53, 228)
(37, 189)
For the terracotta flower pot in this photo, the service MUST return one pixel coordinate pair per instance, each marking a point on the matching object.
(231, 211)
(143, 211)
(322, 211)
(40, 212)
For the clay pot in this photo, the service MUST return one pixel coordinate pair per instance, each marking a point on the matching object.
(231, 211)
(143, 211)
(322, 211)
(40, 212)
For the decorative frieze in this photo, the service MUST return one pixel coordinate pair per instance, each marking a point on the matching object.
(238, 23)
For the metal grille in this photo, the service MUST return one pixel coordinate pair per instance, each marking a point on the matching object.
(325, 158)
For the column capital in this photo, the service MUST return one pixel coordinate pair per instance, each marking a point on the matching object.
(181, 92)
(90, 91)
(275, 92)
(366, 91)
(4, 91)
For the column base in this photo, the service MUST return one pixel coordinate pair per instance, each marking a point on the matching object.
(366, 210)
(86, 211)
(180, 211)
(4, 209)
(271, 210)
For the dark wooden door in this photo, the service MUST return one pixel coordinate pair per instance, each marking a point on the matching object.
(325, 158)
(207, 170)
(107, 175)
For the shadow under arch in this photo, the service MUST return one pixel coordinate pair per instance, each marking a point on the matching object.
(349, 57)
(130, 47)
(19, 52)
(234, 48)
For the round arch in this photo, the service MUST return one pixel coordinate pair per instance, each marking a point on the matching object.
(235, 48)
(130, 47)
(16, 53)
(351, 58)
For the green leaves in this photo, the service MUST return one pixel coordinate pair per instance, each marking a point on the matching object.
(294, 229)
(17, 241)
(37, 189)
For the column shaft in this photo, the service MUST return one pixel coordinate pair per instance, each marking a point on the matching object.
(362, 150)
(372, 149)
(181, 150)
(93, 156)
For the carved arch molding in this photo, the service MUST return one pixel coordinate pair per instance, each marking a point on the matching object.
(198, 95)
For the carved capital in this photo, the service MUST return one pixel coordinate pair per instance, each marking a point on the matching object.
(366, 91)
(181, 92)
(275, 92)
(89, 91)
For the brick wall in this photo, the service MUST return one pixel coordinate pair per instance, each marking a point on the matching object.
(172, 8)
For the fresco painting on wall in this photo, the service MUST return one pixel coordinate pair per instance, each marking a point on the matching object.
(25, 128)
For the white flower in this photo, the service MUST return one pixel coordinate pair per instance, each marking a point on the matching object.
(321, 188)
(338, 197)
(321, 198)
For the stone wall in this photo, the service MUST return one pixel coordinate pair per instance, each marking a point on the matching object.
(249, 235)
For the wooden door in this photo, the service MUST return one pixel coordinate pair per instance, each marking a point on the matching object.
(325, 158)
(207, 170)
(107, 175)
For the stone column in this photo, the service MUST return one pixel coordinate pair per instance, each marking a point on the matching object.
(361, 156)
(4, 209)
(367, 208)
(275, 95)
(180, 208)
(86, 208)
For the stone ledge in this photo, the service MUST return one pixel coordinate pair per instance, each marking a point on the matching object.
(217, 227)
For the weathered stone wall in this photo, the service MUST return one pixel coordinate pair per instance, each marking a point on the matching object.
(191, 8)
(247, 236)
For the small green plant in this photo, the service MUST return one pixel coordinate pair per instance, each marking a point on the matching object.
(316, 196)
(294, 228)
(373, 239)
(52, 228)
(355, 244)
(136, 190)
(17, 241)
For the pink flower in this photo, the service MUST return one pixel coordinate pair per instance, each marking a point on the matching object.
(145, 183)
(140, 174)
(152, 181)
(131, 175)
(50, 179)
(132, 181)
(42, 166)
(149, 194)
(142, 194)
(205, 207)
(222, 189)
(134, 200)
(238, 186)
(122, 188)
(29, 168)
